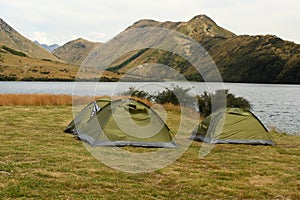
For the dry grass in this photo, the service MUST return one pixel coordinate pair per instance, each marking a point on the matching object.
(39, 161)
(50, 99)
(79, 102)
(29, 68)
(34, 99)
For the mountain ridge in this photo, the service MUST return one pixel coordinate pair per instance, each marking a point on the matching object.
(11, 38)
(75, 51)
(239, 58)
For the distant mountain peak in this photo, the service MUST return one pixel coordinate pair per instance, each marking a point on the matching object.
(49, 48)
(202, 17)
(200, 27)
(80, 39)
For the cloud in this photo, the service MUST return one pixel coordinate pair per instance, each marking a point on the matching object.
(95, 36)
(41, 37)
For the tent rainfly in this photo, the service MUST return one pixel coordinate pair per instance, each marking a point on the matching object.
(122, 122)
(233, 125)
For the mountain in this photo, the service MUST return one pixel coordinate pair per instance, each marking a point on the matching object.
(75, 51)
(23, 60)
(239, 58)
(10, 38)
(17, 66)
(49, 48)
(200, 28)
(258, 59)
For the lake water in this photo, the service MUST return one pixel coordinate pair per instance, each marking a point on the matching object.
(275, 105)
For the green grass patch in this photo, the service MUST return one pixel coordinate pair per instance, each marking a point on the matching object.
(39, 161)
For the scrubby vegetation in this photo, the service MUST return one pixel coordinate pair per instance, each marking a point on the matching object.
(205, 99)
(14, 52)
(181, 96)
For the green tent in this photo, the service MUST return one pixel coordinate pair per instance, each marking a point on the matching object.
(85, 114)
(233, 125)
(122, 122)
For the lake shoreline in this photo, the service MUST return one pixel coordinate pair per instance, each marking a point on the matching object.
(32, 100)
(108, 80)
(275, 105)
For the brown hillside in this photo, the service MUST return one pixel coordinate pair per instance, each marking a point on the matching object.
(11, 38)
(258, 59)
(75, 51)
(15, 67)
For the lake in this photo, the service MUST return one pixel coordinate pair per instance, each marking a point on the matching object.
(275, 105)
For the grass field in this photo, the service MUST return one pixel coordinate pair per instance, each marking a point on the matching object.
(39, 161)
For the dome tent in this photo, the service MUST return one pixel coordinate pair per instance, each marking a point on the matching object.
(85, 114)
(233, 125)
(122, 122)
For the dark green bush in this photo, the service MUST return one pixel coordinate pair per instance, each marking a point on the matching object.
(205, 101)
(176, 96)
(136, 93)
(45, 72)
(12, 51)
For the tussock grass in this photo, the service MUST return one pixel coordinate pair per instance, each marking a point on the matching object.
(50, 99)
(39, 161)
(34, 99)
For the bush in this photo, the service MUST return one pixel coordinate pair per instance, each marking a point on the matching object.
(204, 103)
(136, 93)
(205, 106)
(238, 102)
(12, 51)
(45, 72)
(176, 96)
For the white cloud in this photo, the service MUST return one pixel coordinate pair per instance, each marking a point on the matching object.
(95, 36)
(41, 37)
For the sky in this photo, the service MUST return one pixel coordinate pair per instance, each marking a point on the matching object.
(59, 21)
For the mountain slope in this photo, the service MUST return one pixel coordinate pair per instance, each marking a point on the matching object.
(16, 66)
(258, 59)
(75, 51)
(11, 38)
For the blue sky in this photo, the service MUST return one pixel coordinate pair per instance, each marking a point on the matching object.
(59, 21)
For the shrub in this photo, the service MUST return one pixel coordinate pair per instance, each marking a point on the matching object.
(176, 96)
(12, 51)
(45, 72)
(136, 93)
(205, 106)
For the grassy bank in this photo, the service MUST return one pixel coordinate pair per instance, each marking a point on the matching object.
(34, 99)
(62, 100)
(39, 161)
